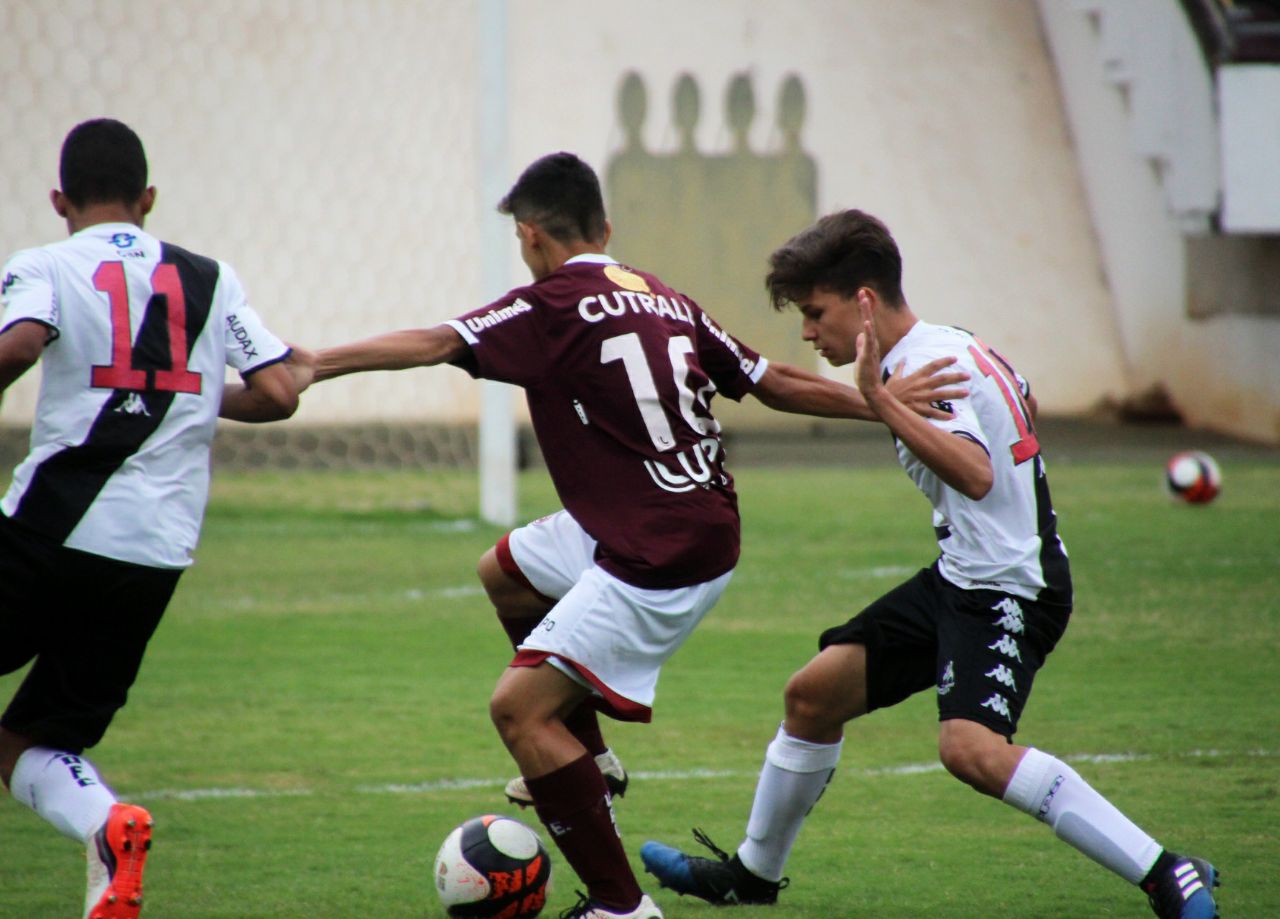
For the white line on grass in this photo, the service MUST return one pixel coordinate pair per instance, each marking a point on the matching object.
(685, 775)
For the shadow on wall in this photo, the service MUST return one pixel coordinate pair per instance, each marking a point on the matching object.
(706, 222)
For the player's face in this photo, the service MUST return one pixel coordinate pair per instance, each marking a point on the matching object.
(831, 324)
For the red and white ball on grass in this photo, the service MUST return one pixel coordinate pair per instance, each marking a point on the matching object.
(1193, 476)
(493, 867)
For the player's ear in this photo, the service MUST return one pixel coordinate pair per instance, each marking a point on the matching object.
(528, 233)
(59, 202)
(608, 232)
(148, 200)
(867, 296)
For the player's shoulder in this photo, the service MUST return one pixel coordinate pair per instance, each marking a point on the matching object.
(34, 258)
(927, 341)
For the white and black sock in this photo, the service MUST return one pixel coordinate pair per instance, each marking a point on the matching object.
(1051, 791)
(64, 789)
(795, 774)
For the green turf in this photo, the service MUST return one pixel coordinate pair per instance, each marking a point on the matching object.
(325, 669)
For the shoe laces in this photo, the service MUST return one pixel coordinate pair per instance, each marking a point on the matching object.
(581, 908)
(700, 835)
(703, 838)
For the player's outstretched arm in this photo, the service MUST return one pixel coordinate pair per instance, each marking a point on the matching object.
(392, 351)
(790, 389)
(267, 394)
(785, 388)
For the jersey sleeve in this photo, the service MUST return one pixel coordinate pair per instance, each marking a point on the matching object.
(27, 292)
(505, 339)
(732, 366)
(249, 344)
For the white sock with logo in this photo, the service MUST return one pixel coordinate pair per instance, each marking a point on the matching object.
(1051, 791)
(64, 789)
(794, 776)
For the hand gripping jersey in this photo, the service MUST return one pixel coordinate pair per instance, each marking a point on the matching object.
(1008, 541)
(619, 372)
(140, 335)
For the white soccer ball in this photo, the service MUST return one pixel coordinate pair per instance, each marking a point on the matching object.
(493, 866)
(1193, 476)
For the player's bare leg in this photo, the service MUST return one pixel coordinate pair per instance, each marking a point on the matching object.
(978, 756)
(568, 790)
(826, 693)
(519, 608)
(12, 746)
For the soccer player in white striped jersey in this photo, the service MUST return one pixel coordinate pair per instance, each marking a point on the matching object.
(975, 626)
(134, 336)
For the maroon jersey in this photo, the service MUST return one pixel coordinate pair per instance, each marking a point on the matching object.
(619, 371)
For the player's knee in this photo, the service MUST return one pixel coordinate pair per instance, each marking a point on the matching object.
(492, 578)
(506, 714)
(971, 760)
(807, 707)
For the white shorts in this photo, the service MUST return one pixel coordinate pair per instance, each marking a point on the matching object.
(607, 634)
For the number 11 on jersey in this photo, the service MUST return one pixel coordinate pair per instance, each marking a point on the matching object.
(121, 373)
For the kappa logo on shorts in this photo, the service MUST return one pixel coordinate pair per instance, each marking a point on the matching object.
(998, 704)
(1003, 675)
(1011, 616)
(1006, 646)
(948, 681)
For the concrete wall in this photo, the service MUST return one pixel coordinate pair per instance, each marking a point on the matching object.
(328, 149)
(1221, 371)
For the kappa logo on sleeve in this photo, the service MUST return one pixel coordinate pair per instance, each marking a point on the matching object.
(9, 280)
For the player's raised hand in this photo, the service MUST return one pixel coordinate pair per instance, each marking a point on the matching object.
(867, 370)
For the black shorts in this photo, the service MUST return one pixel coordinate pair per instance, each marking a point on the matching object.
(979, 648)
(86, 621)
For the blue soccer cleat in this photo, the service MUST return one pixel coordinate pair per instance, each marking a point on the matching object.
(1184, 890)
(724, 880)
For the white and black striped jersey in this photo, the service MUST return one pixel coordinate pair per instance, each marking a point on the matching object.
(1008, 540)
(140, 335)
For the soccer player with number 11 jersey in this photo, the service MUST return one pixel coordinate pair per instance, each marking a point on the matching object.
(134, 336)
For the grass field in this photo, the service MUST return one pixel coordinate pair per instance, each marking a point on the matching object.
(311, 719)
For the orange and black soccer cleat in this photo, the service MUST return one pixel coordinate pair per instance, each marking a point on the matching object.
(117, 854)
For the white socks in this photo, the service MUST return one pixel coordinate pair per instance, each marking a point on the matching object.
(1051, 791)
(795, 774)
(64, 789)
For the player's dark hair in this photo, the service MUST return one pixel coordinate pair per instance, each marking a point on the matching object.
(102, 162)
(841, 252)
(561, 194)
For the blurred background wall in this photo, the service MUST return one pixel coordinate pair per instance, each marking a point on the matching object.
(333, 151)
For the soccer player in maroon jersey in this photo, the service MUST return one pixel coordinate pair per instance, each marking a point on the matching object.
(619, 371)
(134, 336)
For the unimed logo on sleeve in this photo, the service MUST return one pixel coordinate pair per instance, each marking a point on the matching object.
(487, 320)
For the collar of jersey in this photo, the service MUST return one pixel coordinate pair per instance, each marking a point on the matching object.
(596, 258)
(110, 229)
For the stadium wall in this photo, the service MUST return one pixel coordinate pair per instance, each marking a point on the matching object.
(1197, 307)
(328, 150)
